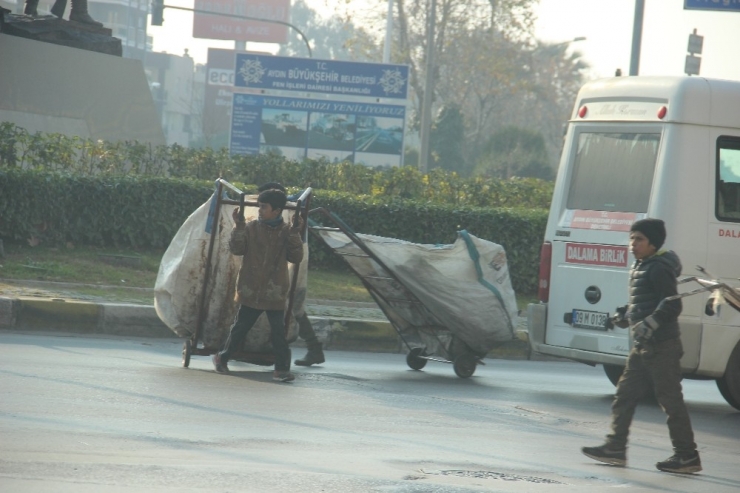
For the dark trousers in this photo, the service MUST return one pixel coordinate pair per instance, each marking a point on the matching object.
(660, 372)
(244, 321)
(305, 330)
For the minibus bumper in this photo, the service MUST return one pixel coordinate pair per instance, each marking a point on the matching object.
(536, 322)
(536, 326)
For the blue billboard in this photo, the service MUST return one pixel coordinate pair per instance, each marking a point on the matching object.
(373, 80)
(337, 131)
(726, 5)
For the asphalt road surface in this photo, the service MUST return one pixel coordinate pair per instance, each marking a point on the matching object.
(96, 414)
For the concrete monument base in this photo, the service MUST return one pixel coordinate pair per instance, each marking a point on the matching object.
(53, 88)
(50, 29)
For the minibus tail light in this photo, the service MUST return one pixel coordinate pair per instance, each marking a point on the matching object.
(662, 112)
(543, 291)
(582, 111)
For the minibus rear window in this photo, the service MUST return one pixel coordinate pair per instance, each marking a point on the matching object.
(728, 183)
(613, 171)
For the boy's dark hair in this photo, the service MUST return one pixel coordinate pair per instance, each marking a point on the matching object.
(276, 198)
(653, 229)
(273, 185)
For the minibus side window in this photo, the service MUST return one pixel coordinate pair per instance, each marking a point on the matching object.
(728, 179)
(613, 171)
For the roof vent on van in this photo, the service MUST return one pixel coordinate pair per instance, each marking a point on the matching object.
(582, 111)
(662, 112)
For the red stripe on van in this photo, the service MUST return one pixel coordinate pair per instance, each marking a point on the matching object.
(602, 220)
(608, 255)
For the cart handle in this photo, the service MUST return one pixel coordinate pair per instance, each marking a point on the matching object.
(303, 211)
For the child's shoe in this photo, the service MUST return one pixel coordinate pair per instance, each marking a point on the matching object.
(283, 376)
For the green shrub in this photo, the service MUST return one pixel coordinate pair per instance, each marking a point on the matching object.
(55, 152)
(60, 189)
(146, 212)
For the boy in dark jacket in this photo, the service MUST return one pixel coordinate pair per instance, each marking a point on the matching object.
(315, 353)
(267, 245)
(654, 361)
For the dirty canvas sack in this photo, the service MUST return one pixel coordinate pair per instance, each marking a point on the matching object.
(179, 285)
(463, 287)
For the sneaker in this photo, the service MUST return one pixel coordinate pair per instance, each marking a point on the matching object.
(283, 376)
(218, 365)
(615, 457)
(682, 464)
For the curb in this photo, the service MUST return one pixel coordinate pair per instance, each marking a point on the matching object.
(120, 319)
(33, 314)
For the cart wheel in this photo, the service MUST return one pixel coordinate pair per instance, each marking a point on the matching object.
(187, 349)
(414, 360)
(465, 365)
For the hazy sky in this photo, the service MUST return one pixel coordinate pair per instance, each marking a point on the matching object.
(606, 24)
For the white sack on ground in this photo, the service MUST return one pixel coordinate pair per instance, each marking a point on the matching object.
(179, 282)
(463, 287)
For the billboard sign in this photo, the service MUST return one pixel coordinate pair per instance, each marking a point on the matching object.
(716, 5)
(218, 94)
(338, 131)
(222, 24)
(372, 80)
(216, 116)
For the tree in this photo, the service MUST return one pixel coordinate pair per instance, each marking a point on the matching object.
(514, 152)
(481, 76)
(448, 141)
(332, 39)
(457, 22)
(557, 77)
(477, 57)
(487, 64)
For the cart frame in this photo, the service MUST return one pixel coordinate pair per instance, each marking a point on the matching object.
(720, 291)
(190, 346)
(464, 365)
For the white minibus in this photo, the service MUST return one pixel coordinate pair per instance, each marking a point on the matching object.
(636, 147)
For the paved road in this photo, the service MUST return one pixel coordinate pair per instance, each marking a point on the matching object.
(92, 414)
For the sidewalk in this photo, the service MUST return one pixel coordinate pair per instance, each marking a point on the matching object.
(39, 305)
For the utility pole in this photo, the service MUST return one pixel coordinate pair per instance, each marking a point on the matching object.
(388, 33)
(426, 107)
(637, 37)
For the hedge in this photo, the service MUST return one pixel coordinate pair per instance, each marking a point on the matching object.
(145, 212)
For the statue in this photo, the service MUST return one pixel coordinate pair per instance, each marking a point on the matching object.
(77, 14)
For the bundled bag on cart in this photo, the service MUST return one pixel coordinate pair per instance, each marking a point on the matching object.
(180, 282)
(462, 288)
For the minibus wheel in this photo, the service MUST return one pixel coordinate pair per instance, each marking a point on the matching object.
(613, 372)
(729, 383)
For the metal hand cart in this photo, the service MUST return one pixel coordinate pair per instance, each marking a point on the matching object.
(193, 345)
(721, 292)
(423, 334)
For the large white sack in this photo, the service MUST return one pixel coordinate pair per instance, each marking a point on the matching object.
(464, 288)
(179, 282)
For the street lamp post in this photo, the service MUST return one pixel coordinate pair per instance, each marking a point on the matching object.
(388, 33)
(637, 37)
(426, 106)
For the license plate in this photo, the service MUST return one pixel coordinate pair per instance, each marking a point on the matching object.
(584, 319)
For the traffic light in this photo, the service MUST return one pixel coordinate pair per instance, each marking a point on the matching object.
(157, 11)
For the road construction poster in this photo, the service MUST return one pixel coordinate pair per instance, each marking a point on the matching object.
(338, 131)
